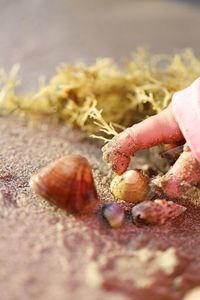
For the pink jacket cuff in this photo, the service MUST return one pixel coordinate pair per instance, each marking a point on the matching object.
(186, 109)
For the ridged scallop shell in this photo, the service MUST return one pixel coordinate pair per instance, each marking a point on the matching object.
(131, 186)
(156, 212)
(67, 183)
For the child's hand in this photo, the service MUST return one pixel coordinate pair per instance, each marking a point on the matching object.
(179, 121)
(161, 128)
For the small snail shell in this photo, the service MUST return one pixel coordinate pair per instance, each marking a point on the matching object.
(114, 214)
(67, 183)
(131, 186)
(156, 212)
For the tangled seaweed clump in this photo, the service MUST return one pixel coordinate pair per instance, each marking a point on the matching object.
(112, 95)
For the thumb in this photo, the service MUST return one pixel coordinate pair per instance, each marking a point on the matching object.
(183, 174)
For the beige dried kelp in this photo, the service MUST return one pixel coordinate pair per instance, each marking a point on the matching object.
(104, 91)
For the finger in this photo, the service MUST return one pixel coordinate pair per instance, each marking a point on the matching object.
(119, 162)
(183, 174)
(122, 143)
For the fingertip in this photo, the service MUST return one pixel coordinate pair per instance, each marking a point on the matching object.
(120, 166)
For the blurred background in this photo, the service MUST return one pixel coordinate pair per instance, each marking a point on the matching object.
(40, 34)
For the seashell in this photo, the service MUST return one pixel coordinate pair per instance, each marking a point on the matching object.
(114, 214)
(156, 212)
(67, 183)
(193, 294)
(131, 186)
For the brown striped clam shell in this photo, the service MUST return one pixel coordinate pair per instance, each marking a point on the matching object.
(67, 183)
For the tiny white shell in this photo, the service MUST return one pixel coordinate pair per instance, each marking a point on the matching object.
(114, 214)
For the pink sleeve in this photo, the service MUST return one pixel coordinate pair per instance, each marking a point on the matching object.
(186, 109)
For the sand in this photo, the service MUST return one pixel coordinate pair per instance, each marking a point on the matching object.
(47, 254)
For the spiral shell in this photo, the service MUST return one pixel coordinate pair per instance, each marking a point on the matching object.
(67, 183)
(131, 186)
(156, 212)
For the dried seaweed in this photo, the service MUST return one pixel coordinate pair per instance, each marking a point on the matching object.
(114, 96)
